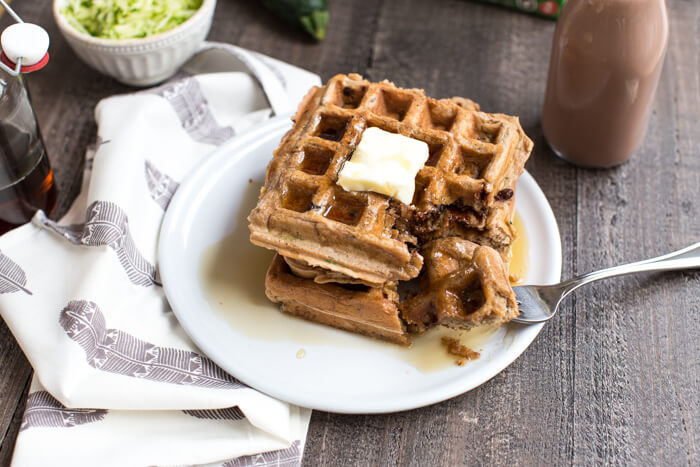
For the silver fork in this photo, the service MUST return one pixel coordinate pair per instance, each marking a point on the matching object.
(540, 303)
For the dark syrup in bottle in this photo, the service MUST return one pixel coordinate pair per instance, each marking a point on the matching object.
(26, 178)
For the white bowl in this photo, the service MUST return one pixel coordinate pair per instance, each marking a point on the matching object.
(139, 62)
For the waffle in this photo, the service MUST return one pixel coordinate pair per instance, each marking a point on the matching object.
(497, 231)
(305, 216)
(491, 227)
(371, 311)
(463, 285)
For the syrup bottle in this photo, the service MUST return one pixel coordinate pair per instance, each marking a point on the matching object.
(605, 66)
(26, 178)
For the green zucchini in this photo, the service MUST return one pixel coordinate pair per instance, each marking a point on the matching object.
(309, 15)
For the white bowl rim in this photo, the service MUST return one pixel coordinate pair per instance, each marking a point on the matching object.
(65, 26)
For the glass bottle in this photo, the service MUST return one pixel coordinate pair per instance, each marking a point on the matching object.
(604, 69)
(26, 178)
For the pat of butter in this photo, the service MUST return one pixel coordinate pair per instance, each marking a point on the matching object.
(384, 163)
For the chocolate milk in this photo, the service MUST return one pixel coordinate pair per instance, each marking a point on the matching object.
(605, 65)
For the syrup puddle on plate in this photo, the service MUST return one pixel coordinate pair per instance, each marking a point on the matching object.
(519, 260)
(232, 276)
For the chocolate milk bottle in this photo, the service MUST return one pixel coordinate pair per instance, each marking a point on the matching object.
(605, 65)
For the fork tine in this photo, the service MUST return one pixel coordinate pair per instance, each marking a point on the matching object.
(532, 309)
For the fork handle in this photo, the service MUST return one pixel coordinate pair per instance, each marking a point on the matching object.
(687, 258)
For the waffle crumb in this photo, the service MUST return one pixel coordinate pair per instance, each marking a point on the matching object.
(454, 347)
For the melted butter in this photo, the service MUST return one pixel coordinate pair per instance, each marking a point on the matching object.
(232, 276)
(520, 261)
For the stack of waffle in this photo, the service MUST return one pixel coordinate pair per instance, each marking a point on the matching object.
(342, 255)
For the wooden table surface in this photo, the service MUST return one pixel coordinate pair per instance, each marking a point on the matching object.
(614, 378)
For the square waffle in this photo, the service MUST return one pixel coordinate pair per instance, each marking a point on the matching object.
(304, 215)
(371, 311)
(463, 285)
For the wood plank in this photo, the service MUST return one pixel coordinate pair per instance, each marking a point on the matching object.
(636, 345)
(346, 47)
(14, 376)
(7, 445)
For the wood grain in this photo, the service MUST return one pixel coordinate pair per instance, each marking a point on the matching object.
(614, 378)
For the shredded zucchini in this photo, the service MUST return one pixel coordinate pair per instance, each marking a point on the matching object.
(128, 19)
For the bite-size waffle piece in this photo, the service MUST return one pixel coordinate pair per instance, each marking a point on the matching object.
(490, 151)
(371, 311)
(463, 285)
(492, 226)
(304, 215)
(497, 232)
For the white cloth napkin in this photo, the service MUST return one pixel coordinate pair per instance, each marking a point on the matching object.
(117, 381)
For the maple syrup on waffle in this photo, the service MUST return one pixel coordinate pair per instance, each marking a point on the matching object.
(232, 277)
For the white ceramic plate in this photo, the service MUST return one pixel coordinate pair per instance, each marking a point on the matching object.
(214, 280)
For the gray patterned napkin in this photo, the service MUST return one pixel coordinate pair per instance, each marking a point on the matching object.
(117, 381)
